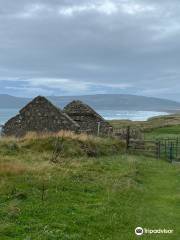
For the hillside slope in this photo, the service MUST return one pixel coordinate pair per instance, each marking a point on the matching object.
(121, 102)
(151, 123)
(7, 101)
(102, 102)
(83, 198)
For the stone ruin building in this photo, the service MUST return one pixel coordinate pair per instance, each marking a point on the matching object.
(88, 120)
(40, 116)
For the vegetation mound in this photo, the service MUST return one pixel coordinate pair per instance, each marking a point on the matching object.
(65, 144)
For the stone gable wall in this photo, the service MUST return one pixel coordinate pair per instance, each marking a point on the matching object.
(87, 118)
(39, 116)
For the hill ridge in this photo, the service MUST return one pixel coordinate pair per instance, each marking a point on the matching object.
(101, 102)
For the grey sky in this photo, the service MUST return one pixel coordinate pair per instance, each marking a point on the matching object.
(71, 47)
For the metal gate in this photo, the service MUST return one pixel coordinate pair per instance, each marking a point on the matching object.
(166, 148)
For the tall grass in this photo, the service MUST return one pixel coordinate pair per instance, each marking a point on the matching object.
(71, 144)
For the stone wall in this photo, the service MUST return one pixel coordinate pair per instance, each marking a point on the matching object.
(134, 133)
(88, 120)
(40, 116)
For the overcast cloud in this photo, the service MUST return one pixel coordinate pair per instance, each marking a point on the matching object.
(72, 47)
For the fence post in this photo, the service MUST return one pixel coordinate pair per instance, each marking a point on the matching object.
(171, 152)
(158, 149)
(127, 137)
(176, 148)
(165, 146)
(98, 130)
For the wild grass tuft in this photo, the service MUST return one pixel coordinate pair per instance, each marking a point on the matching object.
(71, 145)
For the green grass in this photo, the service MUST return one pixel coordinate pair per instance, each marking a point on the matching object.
(164, 132)
(150, 124)
(84, 198)
(156, 127)
(71, 145)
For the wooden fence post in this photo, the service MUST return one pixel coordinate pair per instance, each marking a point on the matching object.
(171, 152)
(98, 130)
(165, 147)
(158, 149)
(127, 137)
(176, 148)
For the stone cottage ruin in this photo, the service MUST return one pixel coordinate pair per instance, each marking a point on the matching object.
(40, 115)
(88, 120)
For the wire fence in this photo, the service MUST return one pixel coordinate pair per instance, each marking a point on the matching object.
(167, 148)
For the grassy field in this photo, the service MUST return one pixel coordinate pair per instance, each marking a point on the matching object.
(154, 128)
(94, 192)
(150, 124)
(164, 132)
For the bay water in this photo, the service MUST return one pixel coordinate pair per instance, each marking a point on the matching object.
(6, 114)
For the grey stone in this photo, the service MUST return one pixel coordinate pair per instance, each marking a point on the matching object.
(87, 118)
(40, 115)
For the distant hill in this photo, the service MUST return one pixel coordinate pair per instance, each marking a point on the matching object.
(102, 102)
(7, 101)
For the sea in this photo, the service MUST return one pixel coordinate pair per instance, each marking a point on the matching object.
(6, 114)
(130, 115)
